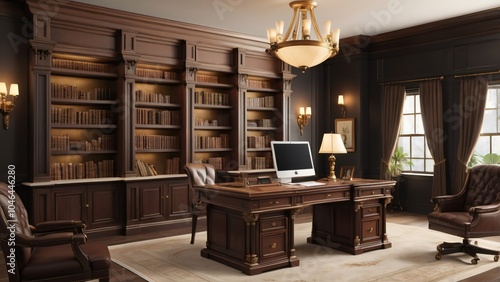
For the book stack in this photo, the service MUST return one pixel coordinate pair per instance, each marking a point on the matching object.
(141, 96)
(88, 169)
(207, 78)
(211, 142)
(82, 65)
(63, 143)
(258, 142)
(259, 83)
(211, 98)
(145, 169)
(143, 142)
(61, 91)
(71, 116)
(216, 162)
(152, 117)
(172, 165)
(261, 102)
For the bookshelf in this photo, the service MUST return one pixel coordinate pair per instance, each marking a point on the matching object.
(83, 121)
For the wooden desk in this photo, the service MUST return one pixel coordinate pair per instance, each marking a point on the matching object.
(251, 228)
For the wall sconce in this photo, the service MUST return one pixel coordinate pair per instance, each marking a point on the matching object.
(303, 118)
(342, 105)
(8, 101)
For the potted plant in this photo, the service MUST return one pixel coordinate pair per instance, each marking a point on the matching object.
(399, 160)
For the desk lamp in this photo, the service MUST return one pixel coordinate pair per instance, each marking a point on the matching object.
(332, 144)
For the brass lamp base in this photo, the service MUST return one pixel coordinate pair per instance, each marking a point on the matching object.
(331, 163)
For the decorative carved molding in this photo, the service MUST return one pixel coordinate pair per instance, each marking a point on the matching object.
(42, 54)
(251, 218)
(129, 63)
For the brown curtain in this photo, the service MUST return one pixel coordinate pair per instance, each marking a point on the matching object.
(473, 92)
(431, 105)
(393, 98)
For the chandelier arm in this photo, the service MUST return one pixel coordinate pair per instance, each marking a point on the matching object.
(315, 25)
(293, 25)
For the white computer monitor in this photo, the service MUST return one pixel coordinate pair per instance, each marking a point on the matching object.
(292, 159)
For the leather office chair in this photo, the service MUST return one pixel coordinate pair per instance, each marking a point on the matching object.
(199, 175)
(472, 213)
(55, 250)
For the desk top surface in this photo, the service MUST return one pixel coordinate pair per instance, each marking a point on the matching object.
(276, 188)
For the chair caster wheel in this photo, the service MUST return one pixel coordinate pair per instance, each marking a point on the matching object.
(495, 258)
(474, 261)
(439, 248)
(438, 256)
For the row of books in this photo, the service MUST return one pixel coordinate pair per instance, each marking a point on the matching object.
(63, 143)
(259, 142)
(143, 141)
(211, 98)
(152, 73)
(72, 116)
(261, 102)
(207, 78)
(216, 162)
(82, 65)
(222, 120)
(88, 169)
(152, 116)
(211, 142)
(259, 162)
(147, 169)
(259, 83)
(62, 91)
(265, 122)
(141, 96)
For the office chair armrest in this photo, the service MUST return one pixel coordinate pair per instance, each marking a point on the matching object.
(52, 239)
(75, 226)
(448, 203)
(484, 209)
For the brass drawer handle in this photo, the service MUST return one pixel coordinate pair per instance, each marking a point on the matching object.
(373, 192)
(274, 203)
(370, 230)
(273, 246)
(273, 224)
(329, 195)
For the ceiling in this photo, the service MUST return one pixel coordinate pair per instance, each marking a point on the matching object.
(353, 17)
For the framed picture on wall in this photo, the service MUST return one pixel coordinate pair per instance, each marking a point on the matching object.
(345, 127)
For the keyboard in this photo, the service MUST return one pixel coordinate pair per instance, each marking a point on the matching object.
(311, 183)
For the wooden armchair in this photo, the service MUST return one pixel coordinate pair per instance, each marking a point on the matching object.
(55, 251)
(472, 213)
(198, 175)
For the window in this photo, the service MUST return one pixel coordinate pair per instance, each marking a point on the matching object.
(487, 148)
(411, 137)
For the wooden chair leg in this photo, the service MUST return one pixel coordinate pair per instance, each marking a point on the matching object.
(193, 227)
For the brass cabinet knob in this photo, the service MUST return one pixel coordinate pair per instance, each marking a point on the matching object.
(273, 246)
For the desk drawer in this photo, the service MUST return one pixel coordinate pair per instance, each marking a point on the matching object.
(370, 211)
(275, 223)
(273, 246)
(371, 230)
(374, 192)
(277, 202)
(320, 197)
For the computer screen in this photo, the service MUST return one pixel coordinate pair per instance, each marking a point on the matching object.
(292, 159)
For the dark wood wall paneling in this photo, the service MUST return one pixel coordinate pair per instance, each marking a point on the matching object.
(462, 45)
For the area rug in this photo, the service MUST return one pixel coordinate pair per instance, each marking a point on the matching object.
(411, 258)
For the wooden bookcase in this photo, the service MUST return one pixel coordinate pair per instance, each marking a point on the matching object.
(126, 107)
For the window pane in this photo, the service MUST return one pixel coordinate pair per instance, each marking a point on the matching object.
(429, 165)
(491, 99)
(483, 145)
(419, 124)
(495, 145)
(418, 165)
(427, 151)
(404, 142)
(409, 105)
(418, 147)
(407, 124)
(417, 104)
(489, 122)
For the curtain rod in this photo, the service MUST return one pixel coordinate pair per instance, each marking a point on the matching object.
(476, 74)
(413, 80)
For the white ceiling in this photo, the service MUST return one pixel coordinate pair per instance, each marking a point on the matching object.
(353, 17)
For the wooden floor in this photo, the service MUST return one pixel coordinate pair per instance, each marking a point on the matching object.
(119, 273)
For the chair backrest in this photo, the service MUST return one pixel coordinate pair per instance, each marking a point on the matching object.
(13, 222)
(200, 174)
(483, 186)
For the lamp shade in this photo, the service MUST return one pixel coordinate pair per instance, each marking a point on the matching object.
(341, 100)
(14, 89)
(3, 88)
(332, 144)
